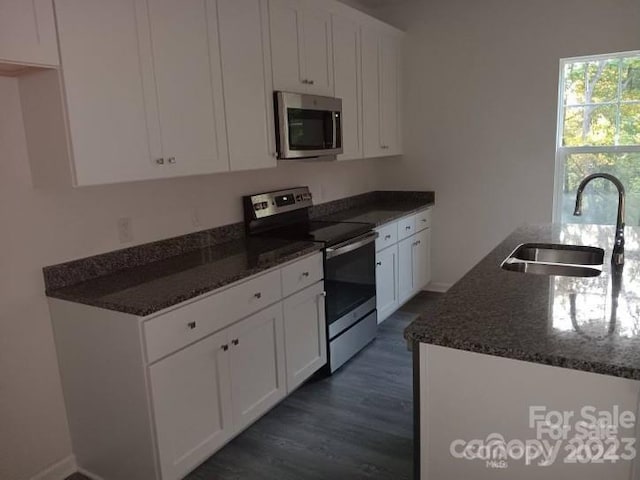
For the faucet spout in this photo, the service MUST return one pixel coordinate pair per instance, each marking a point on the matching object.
(618, 247)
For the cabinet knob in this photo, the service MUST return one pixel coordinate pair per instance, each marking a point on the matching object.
(225, 348)
(304, 80)
(191, 325)
(235, 342)
(171, 159)
(310, 82)
(305, 274)
(408, 227)
(258, 295)
(323, 294)
(160, 161)
(424, 220)
(379, 264)
(387, 237)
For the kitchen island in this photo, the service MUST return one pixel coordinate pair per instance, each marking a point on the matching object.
(513, 360)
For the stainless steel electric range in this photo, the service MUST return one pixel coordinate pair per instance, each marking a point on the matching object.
(349, 265)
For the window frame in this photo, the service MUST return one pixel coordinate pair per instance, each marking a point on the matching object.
(561, 150)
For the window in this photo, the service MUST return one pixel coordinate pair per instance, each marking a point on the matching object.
(598, 131)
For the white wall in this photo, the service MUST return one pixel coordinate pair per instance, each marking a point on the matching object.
(43, 227)
(481, 91)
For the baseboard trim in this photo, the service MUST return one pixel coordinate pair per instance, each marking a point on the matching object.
(437, 287)
(88, 474)
(59, 470)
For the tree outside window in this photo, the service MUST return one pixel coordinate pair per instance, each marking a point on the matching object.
(599, 131)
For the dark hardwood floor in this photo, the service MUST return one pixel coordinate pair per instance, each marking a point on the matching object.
(356, 424)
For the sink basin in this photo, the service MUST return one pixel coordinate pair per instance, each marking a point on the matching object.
(555, 259)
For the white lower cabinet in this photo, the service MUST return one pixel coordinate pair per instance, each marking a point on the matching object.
(153, 397)
(305, 334)
(387, 299)
(403, 268)
(256, 365)
(192, 404)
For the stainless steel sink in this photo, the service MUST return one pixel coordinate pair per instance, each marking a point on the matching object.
(555, 259)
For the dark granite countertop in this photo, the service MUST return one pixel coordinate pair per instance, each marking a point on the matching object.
(146, 289)
(380, 212)
(566, 322)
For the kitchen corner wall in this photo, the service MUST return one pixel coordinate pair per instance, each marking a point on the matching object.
(481, 80)
(43, 227)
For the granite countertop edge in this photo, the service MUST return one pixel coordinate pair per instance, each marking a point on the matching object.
(531, 356)
(170, 302)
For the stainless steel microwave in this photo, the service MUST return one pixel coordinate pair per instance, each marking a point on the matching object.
(307, 125)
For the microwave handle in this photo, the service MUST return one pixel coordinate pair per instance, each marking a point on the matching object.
(335, 130)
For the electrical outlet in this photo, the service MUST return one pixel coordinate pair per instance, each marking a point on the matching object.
(125, 230)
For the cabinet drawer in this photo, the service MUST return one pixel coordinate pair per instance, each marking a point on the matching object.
(175, 329)
(423, 219)
(406, 227)
(387, 235)
(301, 274)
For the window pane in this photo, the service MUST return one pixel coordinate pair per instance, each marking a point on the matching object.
(591, 82)
(603, 76)
(592, 126)
(630, 124)
(631, 79)
(600, 201)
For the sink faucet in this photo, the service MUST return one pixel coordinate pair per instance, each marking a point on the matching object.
(618, 247)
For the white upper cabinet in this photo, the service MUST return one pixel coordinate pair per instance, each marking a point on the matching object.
(390, 101)
(381, 89)
(27, 34)
(187, 82)
(147, 102)
(248, 89)
(104, 84)
(301, 47)
(347, 81)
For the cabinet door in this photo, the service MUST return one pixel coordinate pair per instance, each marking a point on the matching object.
(287, 45)
(371, 110)
(390, 94)
(405, 270)
(191, 403)
(346, 73)
(304, 334)
(318, 60)
(246, 71)
(186, 85)
(256, 365)
(28, 32)
(421, 259)
(387, 282)
(111, 138)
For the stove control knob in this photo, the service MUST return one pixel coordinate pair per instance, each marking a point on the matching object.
(257, 206)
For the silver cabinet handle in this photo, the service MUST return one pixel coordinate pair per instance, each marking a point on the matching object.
(305, 274)
(225, 348)
(160, 161)
(323, 294)
(235, 342)
(379, 264)
(191, 325)
(305, 81)
(408, 227)
(310, 82)
(257, 295)
(424, 220)
(171, 159)
(387, 237)
(418, 242)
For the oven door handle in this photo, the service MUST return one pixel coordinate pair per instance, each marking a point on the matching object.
(351, 245)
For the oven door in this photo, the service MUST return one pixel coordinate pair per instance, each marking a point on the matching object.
(308, 125)
(350, 282)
